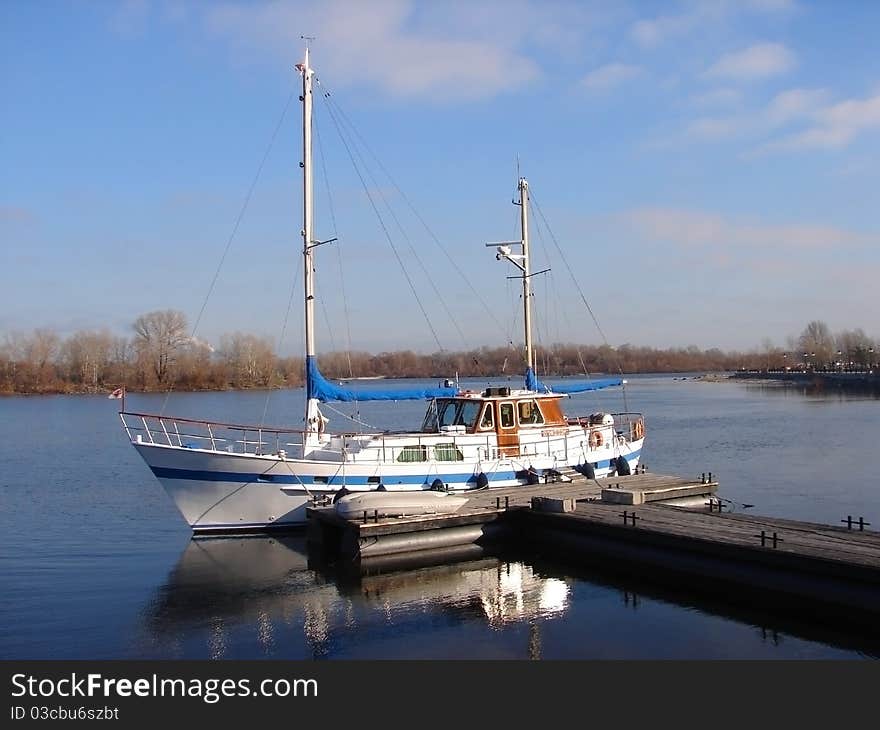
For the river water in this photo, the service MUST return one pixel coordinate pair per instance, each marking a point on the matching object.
(95, 561)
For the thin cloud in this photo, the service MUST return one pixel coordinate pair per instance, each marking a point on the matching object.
(382, 44)
(718, 97)
(701, 230)
(794, 106)
(653, 32)
(610, 75)
(835, 126)
(755, 62)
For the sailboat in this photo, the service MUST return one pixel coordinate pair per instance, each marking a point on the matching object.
(232, 477)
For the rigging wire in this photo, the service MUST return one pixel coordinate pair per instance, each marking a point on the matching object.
(595, 395)
(332, 211)
(580, 291)
(474, 290)
(439, 297)
(293, 286)
(238, 219)
(384, 227)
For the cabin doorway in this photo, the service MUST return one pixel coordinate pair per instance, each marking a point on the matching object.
(505, 428)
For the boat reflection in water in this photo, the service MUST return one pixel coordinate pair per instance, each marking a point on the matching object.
(261, 596)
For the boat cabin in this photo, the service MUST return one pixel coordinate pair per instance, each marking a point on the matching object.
(502, 411)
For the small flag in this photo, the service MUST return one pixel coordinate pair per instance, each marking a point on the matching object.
(118, 393)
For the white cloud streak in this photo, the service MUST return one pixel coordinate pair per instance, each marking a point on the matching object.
(834, 126)
(698, 229)
(786, 108)
(610, 75)
(759, 61)
(386, 44)
(653, 32)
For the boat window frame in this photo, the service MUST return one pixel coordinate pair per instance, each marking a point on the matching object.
(535, 408)
(431, 422)
(488, 409)
(448, 447)
(414, 450)
(512, 425)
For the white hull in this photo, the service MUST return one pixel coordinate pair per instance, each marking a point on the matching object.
(220, 491)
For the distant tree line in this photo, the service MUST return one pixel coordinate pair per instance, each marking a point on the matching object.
(161, 355)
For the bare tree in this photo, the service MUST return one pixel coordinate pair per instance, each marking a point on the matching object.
(855, 346)
(249, 359)
(86, 356)
(817, 343)
(158, 338)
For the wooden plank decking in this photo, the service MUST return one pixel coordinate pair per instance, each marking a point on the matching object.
(826, 571)
(828, 548)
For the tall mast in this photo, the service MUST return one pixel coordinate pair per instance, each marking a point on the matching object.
(308, 267)
(312, 416)
(526, 279)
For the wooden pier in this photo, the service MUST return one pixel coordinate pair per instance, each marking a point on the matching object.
(481, 517)
(620, 524)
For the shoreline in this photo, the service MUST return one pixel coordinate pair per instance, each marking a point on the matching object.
(701, 375)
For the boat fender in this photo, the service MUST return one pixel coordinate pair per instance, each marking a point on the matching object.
(482, 480)
(622, 467)
(533, 476)
(438, 486)
(587, 470)
(340, 493)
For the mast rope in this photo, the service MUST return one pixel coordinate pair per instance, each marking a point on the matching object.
(436, 240)
(596, 395)
(384, 227)
(349, 417)
(332, 211)
(293, 286)
(439, 297)
(238, 219)
(580, 291)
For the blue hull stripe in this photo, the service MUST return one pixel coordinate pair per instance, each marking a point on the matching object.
(337, 479)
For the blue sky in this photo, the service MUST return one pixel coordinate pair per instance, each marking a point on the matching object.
(710, 169)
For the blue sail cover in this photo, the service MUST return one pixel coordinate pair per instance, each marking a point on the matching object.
(532, 383)
(322, 389)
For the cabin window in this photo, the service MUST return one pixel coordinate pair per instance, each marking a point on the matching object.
(430, 424)
(506, 414)
(467, 416)
(458, 413)
(409, 454)
(446, 412)
(488, 419)
(529, 413)
(448, 452)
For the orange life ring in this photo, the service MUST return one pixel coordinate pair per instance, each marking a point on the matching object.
(638, 429)
(596, 439)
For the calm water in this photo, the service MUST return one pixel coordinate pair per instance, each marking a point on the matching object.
(95, 562)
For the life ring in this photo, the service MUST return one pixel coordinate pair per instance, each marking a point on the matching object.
(638, 430)
(596, 439)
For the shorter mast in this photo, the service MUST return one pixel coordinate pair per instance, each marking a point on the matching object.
(526, 276)
(521, 261)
